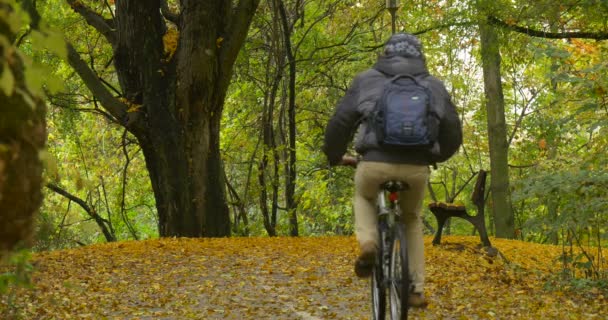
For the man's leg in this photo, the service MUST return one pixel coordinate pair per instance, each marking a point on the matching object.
(366, 217)
(366, 191)
(411, 207)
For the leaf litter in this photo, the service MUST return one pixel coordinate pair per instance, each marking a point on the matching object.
(288, 278)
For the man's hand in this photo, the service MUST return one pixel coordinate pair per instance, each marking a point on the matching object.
(349, 161)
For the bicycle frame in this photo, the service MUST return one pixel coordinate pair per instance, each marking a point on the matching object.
(388, 215)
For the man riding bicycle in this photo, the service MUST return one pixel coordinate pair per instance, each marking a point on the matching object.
(402, 56)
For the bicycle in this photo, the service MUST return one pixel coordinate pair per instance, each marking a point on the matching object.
(391, 271)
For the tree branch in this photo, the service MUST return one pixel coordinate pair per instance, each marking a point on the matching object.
(237, 31)
(101, 222)
(114, 106)
(111, 12)
(429, 29)
(30, 7)
(521, 117)
(71, 197)
(125, 169)
(549, 35)
(445, 26)
(95, 20)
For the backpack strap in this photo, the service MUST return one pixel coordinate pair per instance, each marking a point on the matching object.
(419, 75)
(407, 76)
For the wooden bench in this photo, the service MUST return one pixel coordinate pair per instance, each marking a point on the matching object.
(443, 211)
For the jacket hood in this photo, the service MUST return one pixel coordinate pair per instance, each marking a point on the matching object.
(394, 64)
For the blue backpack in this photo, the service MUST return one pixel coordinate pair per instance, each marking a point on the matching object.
(403, 118)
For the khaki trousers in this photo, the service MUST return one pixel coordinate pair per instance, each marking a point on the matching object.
(368, 178)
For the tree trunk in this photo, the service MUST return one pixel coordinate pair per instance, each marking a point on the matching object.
(187, 181)
(290, 168)
(22, 138)
(497, 133)
(552, 139)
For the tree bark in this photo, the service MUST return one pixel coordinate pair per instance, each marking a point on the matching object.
(22, 138)
(497, 133)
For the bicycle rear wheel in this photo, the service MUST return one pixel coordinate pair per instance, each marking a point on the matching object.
(399, 280)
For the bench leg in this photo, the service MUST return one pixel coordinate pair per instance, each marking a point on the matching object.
(440, 224)
(480, 224)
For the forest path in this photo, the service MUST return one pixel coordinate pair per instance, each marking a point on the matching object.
(287, 278)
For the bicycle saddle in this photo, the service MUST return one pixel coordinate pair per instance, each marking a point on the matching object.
(394, 186)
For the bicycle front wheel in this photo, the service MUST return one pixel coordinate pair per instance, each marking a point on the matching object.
(399, 280)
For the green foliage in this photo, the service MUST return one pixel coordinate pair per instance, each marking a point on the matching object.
(15, 273)
(77, 140)
(33, 52)
(578, 191)
(19, 271)
(579, 198)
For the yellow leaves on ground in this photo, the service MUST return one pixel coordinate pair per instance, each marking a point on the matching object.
(288, 278)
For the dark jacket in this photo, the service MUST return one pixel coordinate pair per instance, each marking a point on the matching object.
(359, 101)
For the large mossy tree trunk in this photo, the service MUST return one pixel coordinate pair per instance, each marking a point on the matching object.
(175, 100)
(497, 133)
(22, 138)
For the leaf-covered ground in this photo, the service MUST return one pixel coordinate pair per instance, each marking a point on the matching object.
(289, 278)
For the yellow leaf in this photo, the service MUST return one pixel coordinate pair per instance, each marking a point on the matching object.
(170, 41)
(134, 107)
(7, 81)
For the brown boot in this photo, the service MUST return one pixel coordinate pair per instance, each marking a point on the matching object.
(417, 300)
(365, 262)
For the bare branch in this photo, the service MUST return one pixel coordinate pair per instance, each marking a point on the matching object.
(111, 12)
(548, 35)
(445, 26)
(237, 31)
(101, 222)
(521, 117)
(125, 169)
(95, 20)
(114, 106)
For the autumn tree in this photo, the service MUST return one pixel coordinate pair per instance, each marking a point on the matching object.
(546, 24)
(173, 67)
